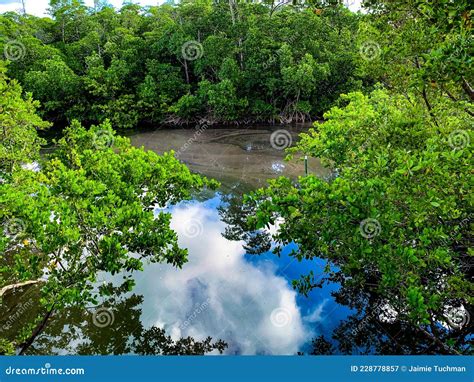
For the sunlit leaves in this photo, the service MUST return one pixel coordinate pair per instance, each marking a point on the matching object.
(393, 164)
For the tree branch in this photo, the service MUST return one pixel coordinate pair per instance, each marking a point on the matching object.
(18, 285)
(468, 88)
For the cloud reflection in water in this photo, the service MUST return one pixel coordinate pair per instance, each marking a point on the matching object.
(218, 293)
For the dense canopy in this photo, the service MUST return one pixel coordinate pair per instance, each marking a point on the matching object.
(391, 90)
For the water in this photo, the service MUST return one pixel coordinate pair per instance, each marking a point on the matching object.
(223, 292)
(241, 159)
(247, 300)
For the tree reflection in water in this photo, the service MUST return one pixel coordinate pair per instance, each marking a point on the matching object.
(113, 327)
(376, 327)
(373, 327)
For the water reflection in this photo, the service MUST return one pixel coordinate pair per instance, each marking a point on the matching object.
(233, 287)
(87, 332)
(223, 292)
(239, 297)
(371, 325)
(228, 292)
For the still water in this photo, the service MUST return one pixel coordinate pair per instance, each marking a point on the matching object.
(241, 159)
(222, 292)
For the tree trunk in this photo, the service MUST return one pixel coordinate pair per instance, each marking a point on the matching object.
(186, 70)
(468, 88)
(36, 332)
(63, 32)
(231, 7)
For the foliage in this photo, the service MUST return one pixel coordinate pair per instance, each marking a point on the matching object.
(395, 167)
(426, 47)
(397, 216)
(93, 64)
(19, 141)
(88, 208)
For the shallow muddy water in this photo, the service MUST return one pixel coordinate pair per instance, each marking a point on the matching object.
(241, 159)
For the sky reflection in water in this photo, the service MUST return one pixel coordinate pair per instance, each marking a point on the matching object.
(246, 300)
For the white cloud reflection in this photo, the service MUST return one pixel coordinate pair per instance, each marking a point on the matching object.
(220, 294)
